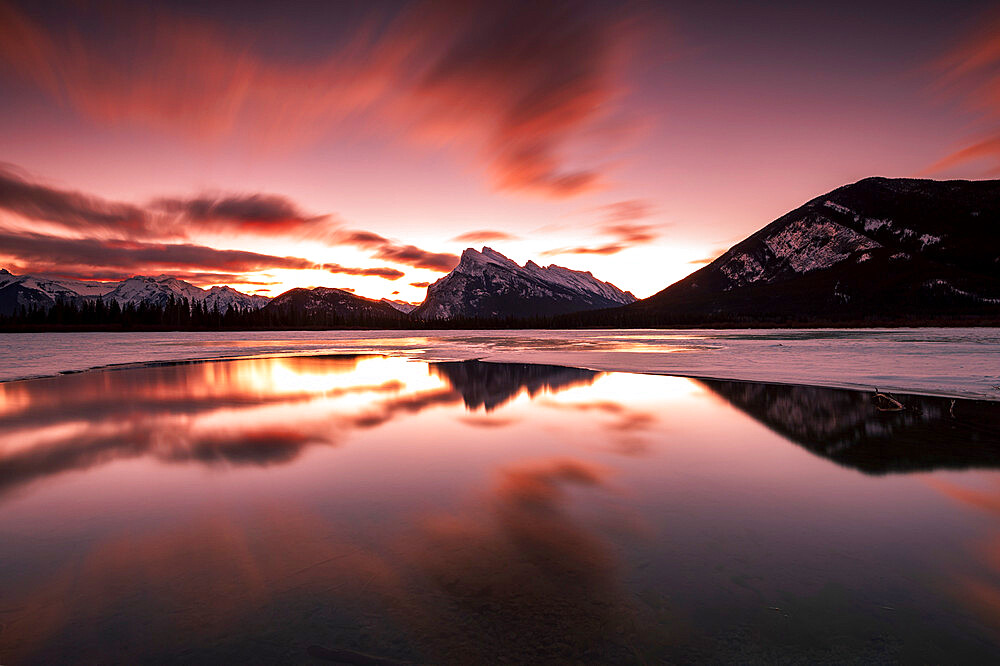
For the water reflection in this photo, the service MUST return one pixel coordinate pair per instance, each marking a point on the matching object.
(849, 429)
(235, 412)
(492, 385)
(364, 509)
(515, 578)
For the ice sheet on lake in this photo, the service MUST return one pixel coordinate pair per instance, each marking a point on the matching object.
(935, 361)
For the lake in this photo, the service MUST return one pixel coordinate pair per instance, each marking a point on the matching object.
(367, 508)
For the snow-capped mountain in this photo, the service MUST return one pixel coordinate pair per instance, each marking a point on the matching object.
(402, 306)
(29, 290)
(323, 306)
(879, 249)
(32, 291)
(55, 287)
(159, 289)
(223, 297)
(489, 285)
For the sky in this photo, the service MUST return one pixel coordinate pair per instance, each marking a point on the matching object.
(364, 145)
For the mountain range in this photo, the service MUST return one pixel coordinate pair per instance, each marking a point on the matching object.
(43, 292)
(876, 251)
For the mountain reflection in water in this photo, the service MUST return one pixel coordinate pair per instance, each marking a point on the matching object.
(365, 509)
(844, 426)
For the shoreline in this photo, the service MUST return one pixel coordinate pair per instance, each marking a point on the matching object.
(423, 357)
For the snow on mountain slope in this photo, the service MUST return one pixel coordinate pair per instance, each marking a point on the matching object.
(160, 288)
(402, 306)
(30, 290)
(223, 297)
(33, 291)
(879, 248)
(489, 285)
(156, 290)
(56, 287)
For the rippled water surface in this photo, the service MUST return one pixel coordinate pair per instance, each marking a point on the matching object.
(366, 509)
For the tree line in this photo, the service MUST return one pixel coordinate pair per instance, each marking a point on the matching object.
(181, 314)
(176, 314)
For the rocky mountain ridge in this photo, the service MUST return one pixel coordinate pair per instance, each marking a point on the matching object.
(880, 249)
(488, 285)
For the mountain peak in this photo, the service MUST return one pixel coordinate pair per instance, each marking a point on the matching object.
(329, 306)
(488, 284)
(899, 247)
(474, 261)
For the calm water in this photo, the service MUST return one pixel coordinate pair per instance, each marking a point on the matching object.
(372, 510)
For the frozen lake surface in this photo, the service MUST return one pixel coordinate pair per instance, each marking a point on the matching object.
(956, 362)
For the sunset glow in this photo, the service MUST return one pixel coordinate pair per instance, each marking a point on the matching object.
(365, 145)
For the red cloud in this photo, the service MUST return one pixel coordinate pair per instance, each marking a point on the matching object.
(197, 278)
(362, 238)
(73, 210)
(255, 213)
(414, 256)
(48, 253)
(382, 272)
(634, 234)
(387, 250)
(520, 83)
(131, 227)
(620, 224)
(165, 218)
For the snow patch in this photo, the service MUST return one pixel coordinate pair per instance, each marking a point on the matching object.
(840, 209)
(809, 245)
(742, 269)
(960, 292)
(874, 223)
(928, 239)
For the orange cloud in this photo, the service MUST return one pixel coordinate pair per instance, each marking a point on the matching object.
(626, 211)
(707, 260)
(972, 71)
(982, 150)
(620, 223)
(379, 271)
(483, 236)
